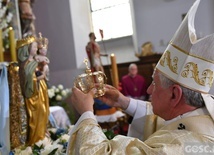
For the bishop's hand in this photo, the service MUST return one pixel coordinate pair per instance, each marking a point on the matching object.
(82, 102)
(114, 98)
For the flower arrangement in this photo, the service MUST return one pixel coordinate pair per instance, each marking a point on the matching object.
(55, 144)
(6, 17)
(57, 95)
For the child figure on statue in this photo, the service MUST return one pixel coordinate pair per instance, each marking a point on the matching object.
(43, 68)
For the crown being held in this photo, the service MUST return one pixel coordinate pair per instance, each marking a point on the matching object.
(42, 42)
(89, 80)
(25, 41)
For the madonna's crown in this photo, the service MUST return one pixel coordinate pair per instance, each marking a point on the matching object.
(89, 80)
(25, 41)
(42, 41)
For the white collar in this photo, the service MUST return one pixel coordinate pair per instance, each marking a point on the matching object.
(199, 111)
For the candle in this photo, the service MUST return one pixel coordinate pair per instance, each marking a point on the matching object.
(114, 71)
(1, 47)
(12, 44)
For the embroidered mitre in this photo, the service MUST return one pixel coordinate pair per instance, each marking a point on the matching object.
(188, 60)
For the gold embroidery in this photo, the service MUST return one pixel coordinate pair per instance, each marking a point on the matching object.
(167, 57)
(18, 116)
(207, 73)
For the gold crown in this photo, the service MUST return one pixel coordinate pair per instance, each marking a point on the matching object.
(42, 42)
(25, 41)
(89, 80)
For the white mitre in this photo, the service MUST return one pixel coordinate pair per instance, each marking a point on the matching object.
(190, 61)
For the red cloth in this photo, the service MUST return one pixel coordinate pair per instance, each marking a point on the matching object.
(134, 87)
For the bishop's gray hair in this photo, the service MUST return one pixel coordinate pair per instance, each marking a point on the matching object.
(192, 97)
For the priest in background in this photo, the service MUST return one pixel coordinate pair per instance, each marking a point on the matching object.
(133, 84)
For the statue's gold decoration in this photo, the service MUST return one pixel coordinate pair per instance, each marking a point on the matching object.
(167, 57)
(18, 116)
(206, 74)
(146, 50)
(89, 80)
(25, 41)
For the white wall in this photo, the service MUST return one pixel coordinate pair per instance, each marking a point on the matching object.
(157, 20)
(81, 28)
(122, 48)
(67, 25)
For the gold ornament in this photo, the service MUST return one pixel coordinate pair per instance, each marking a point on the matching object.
(25, 41)
(42, 42)
(89, 80)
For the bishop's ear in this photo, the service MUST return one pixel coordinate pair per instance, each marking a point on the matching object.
(176, 94)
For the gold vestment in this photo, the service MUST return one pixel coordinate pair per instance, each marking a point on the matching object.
(89, 139)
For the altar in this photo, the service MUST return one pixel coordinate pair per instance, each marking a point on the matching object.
(58, 117)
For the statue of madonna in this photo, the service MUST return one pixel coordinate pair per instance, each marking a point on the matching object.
(34, 89)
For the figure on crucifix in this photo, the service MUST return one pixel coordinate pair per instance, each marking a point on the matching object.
(93, 52)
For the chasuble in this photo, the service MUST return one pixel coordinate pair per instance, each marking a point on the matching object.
(87, 137)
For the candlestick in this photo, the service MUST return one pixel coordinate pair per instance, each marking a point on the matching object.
(1, 47)
(12, 44)
(114, 71)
